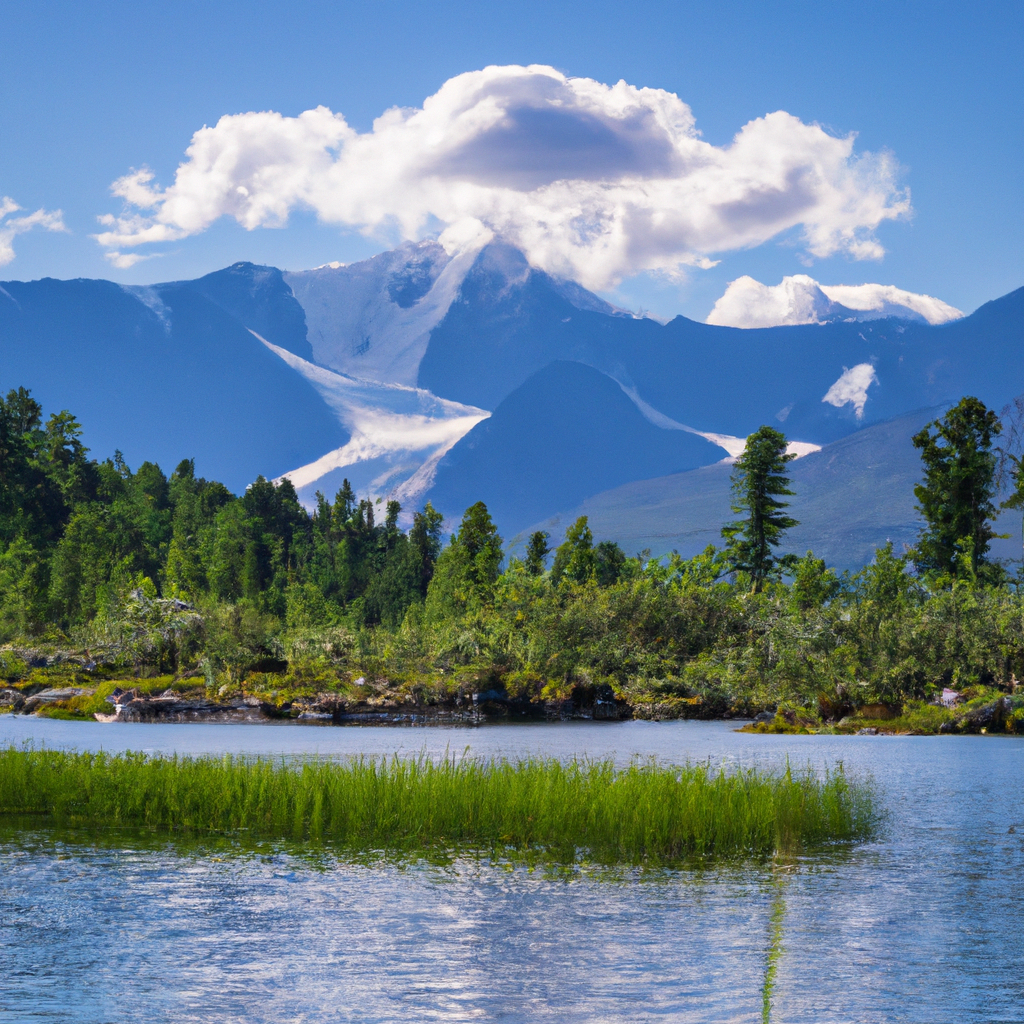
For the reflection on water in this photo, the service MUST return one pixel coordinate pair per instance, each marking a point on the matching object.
(774, 944)
(922, 925)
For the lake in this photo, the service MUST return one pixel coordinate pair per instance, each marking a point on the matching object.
(925, 924)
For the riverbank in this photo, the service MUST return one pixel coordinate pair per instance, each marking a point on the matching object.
(980, 710)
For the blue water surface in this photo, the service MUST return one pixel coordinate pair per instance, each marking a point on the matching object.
(924, 924)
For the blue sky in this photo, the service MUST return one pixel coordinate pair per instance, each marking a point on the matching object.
(94, 90)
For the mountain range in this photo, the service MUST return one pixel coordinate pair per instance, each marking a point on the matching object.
(455, 378)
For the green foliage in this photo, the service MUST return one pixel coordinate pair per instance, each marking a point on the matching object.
(467, 569)
(574, 557)
(537, 552)
(591, 811)
(148, 574)
(758, 483)
(956, 496)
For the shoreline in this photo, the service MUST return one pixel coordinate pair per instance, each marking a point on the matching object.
(179, 703)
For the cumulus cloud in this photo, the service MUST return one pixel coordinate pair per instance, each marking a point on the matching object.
(11, 227)
(880, 300)
(801, 300)
(591, 181)
(852, 388)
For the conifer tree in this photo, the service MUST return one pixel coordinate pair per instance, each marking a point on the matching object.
(757, 485)
(956, 496)
(574, 557)
(537, 551)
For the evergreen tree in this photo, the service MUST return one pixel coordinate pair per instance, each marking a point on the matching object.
(574, 557)
(757, 485)
(956, 495)
(467, 569)
(425, 545)
(537, 552)
(609, 561)
(478, 538)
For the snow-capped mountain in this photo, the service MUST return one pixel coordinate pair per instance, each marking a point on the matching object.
(459, 377)
(373, 319)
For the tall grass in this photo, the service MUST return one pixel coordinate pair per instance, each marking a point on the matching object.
(644, 813)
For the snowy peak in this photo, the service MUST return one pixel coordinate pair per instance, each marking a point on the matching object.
(373, 319)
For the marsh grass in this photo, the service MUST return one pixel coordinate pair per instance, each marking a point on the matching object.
(643, 814)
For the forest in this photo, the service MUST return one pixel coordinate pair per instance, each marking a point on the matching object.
(114, 579)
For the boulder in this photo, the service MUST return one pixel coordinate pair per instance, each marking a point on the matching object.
(987, 716)
(11, 698)
(45, 697)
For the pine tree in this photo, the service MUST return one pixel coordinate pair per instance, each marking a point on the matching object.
(574, 557)
(537, 552)
(757, 485)
(956, 496)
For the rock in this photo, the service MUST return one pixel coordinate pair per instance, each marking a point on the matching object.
(65, 693)
(12, 698)
(120, 696)
(45, 697)
(870, 731)
(987, 716)
(764, 717)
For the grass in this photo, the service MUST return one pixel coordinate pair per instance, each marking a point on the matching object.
(641, 814)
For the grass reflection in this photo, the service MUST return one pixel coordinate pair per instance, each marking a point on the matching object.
(775, 948)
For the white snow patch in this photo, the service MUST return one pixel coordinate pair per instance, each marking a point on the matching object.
(356, 326)
(150, 297)
(852, 388)
(398, 433)
(733, 445)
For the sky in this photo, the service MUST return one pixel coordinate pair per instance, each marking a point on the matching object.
(850, 143)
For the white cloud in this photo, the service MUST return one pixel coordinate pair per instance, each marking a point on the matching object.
(801, 300)
(888, 300)
(124, 260)
(591, 181)
(11, 227)
(852, 388)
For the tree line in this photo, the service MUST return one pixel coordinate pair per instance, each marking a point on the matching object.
(186, 576)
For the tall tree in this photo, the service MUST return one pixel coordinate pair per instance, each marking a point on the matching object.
(758, 482)
(574, 557)
(467, 569)
(956, 495)
(425, 544)
(537, 552)
(479, 538)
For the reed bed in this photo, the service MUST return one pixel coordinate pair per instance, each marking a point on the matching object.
(581, 810)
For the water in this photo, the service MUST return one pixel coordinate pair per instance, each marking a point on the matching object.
(925, 924)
